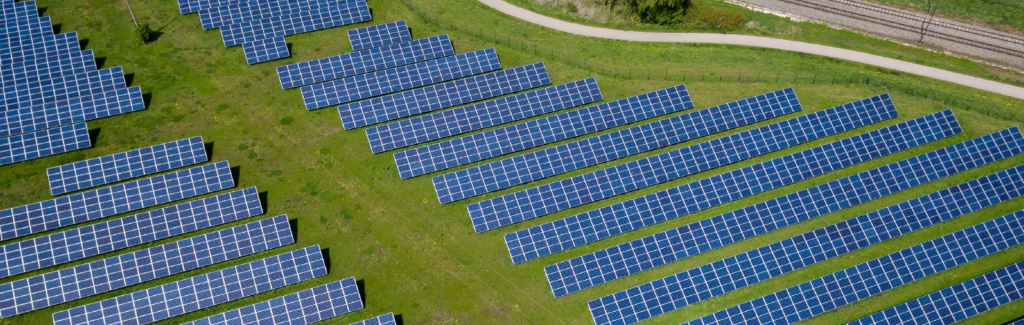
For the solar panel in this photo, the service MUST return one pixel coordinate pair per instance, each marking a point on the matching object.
(104, 202)
(109, 274)
(68, 63)
(126, 165)
(630, 176)
(478, 116)
(304, 307)
(12, 9)
(191, 6)
(236, 12)
(59, 89)
(606, 147)
(81, 109)
(878, 275)
(441, 96)
(108, 236)
(350, 64)
(379, 35)
(529, 134)
(42, 143)
(267, 49)
(202, 291)
(42, 47)
(698, 237)
(400, 78)
(957, 302)
(699, 195)
(22, 21)
(291, 22)
(386, 319)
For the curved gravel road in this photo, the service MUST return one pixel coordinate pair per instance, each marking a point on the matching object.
(757, 41)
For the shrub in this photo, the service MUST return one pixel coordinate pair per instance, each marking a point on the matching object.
(144, 33)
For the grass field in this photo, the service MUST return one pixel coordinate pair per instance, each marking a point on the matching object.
(422, 260)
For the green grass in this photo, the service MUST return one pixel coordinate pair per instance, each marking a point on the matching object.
(423, 260)
(1004, 15)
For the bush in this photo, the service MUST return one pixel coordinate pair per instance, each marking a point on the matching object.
(703, 15)
(144, 33)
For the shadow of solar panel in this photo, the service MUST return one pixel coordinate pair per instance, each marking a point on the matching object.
(55, 90)
(698, 237)
(39, 49)
(203, 291)
(441, 96)
(878, 275)
(304, 307)
(350, 64)
(68, 63)
(379, 35)
(125, 165)
(42, 143)
(529, 134)
(108, 236)
(606, 147)
(133, 268)
(382, 82)
(103, 202)
(630, 176)
(81, 109)
(386, 319)
(236, 12)
(293, 22)
(266, 49)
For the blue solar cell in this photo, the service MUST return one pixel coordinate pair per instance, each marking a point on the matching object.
(81, 109)
(441, 96)
(192, 6)
(303, 307)
(695, 238)
(60, 89)
(67, 63)
(240, 11)
(699, 195)
(291, 22)
(267, 49)
(202, 291)
(379, 35)
(397, 79)
(350, 64)
(133, 268)
(529, 134)
(386, 319)
(103, 202)
(41, 48)
(630, 176)
(591, 151)
(125, 165)
(957, 302)
(108, 236)
(43, 143)
(876, 276)
(482, 115)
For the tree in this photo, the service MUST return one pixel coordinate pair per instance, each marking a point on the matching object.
(144, 32)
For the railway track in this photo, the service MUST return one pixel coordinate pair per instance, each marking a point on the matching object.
(924, 19)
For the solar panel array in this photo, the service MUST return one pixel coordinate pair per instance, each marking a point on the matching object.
(350, 64)
(957, 302)
(103, 202)
(267, 49)
(879, 275)
(68, 62)
(478, 116)
(441, 96)
(525, 135)
(386, 319)
(79, 109)
(303, 307)
(298, 21)
(591, 151)
(202, 291)
(237, 12)
(59, 89)
(695, 238)
(43, 143)
(39, 48)
(627, 177)
(121, 271)
(379, 35)
(397, 79)
(126, 165)
(699, 195)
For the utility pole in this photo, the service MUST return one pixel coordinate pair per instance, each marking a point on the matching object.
(925, 24)
(132, 13)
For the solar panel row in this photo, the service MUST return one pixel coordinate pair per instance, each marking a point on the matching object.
(386, 319)
(303, 307)
(239, 12)
(108, 236)
(191, 6)
(379, 35)
(60, 89)
(103, 202)
(591, 151)
(26, 27)
(80, 109)
(125, 270)
(126, 165)
(67, 64)
(441, 96)
(43, 143)
(879, 275)
(478, 116)
(695, 238)
(630, 176)
(350, 64)
(529, 134)
(291, 22)
(39, 48)
(400, 78)
(202, 291)
(267, 49)
(699, 195)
